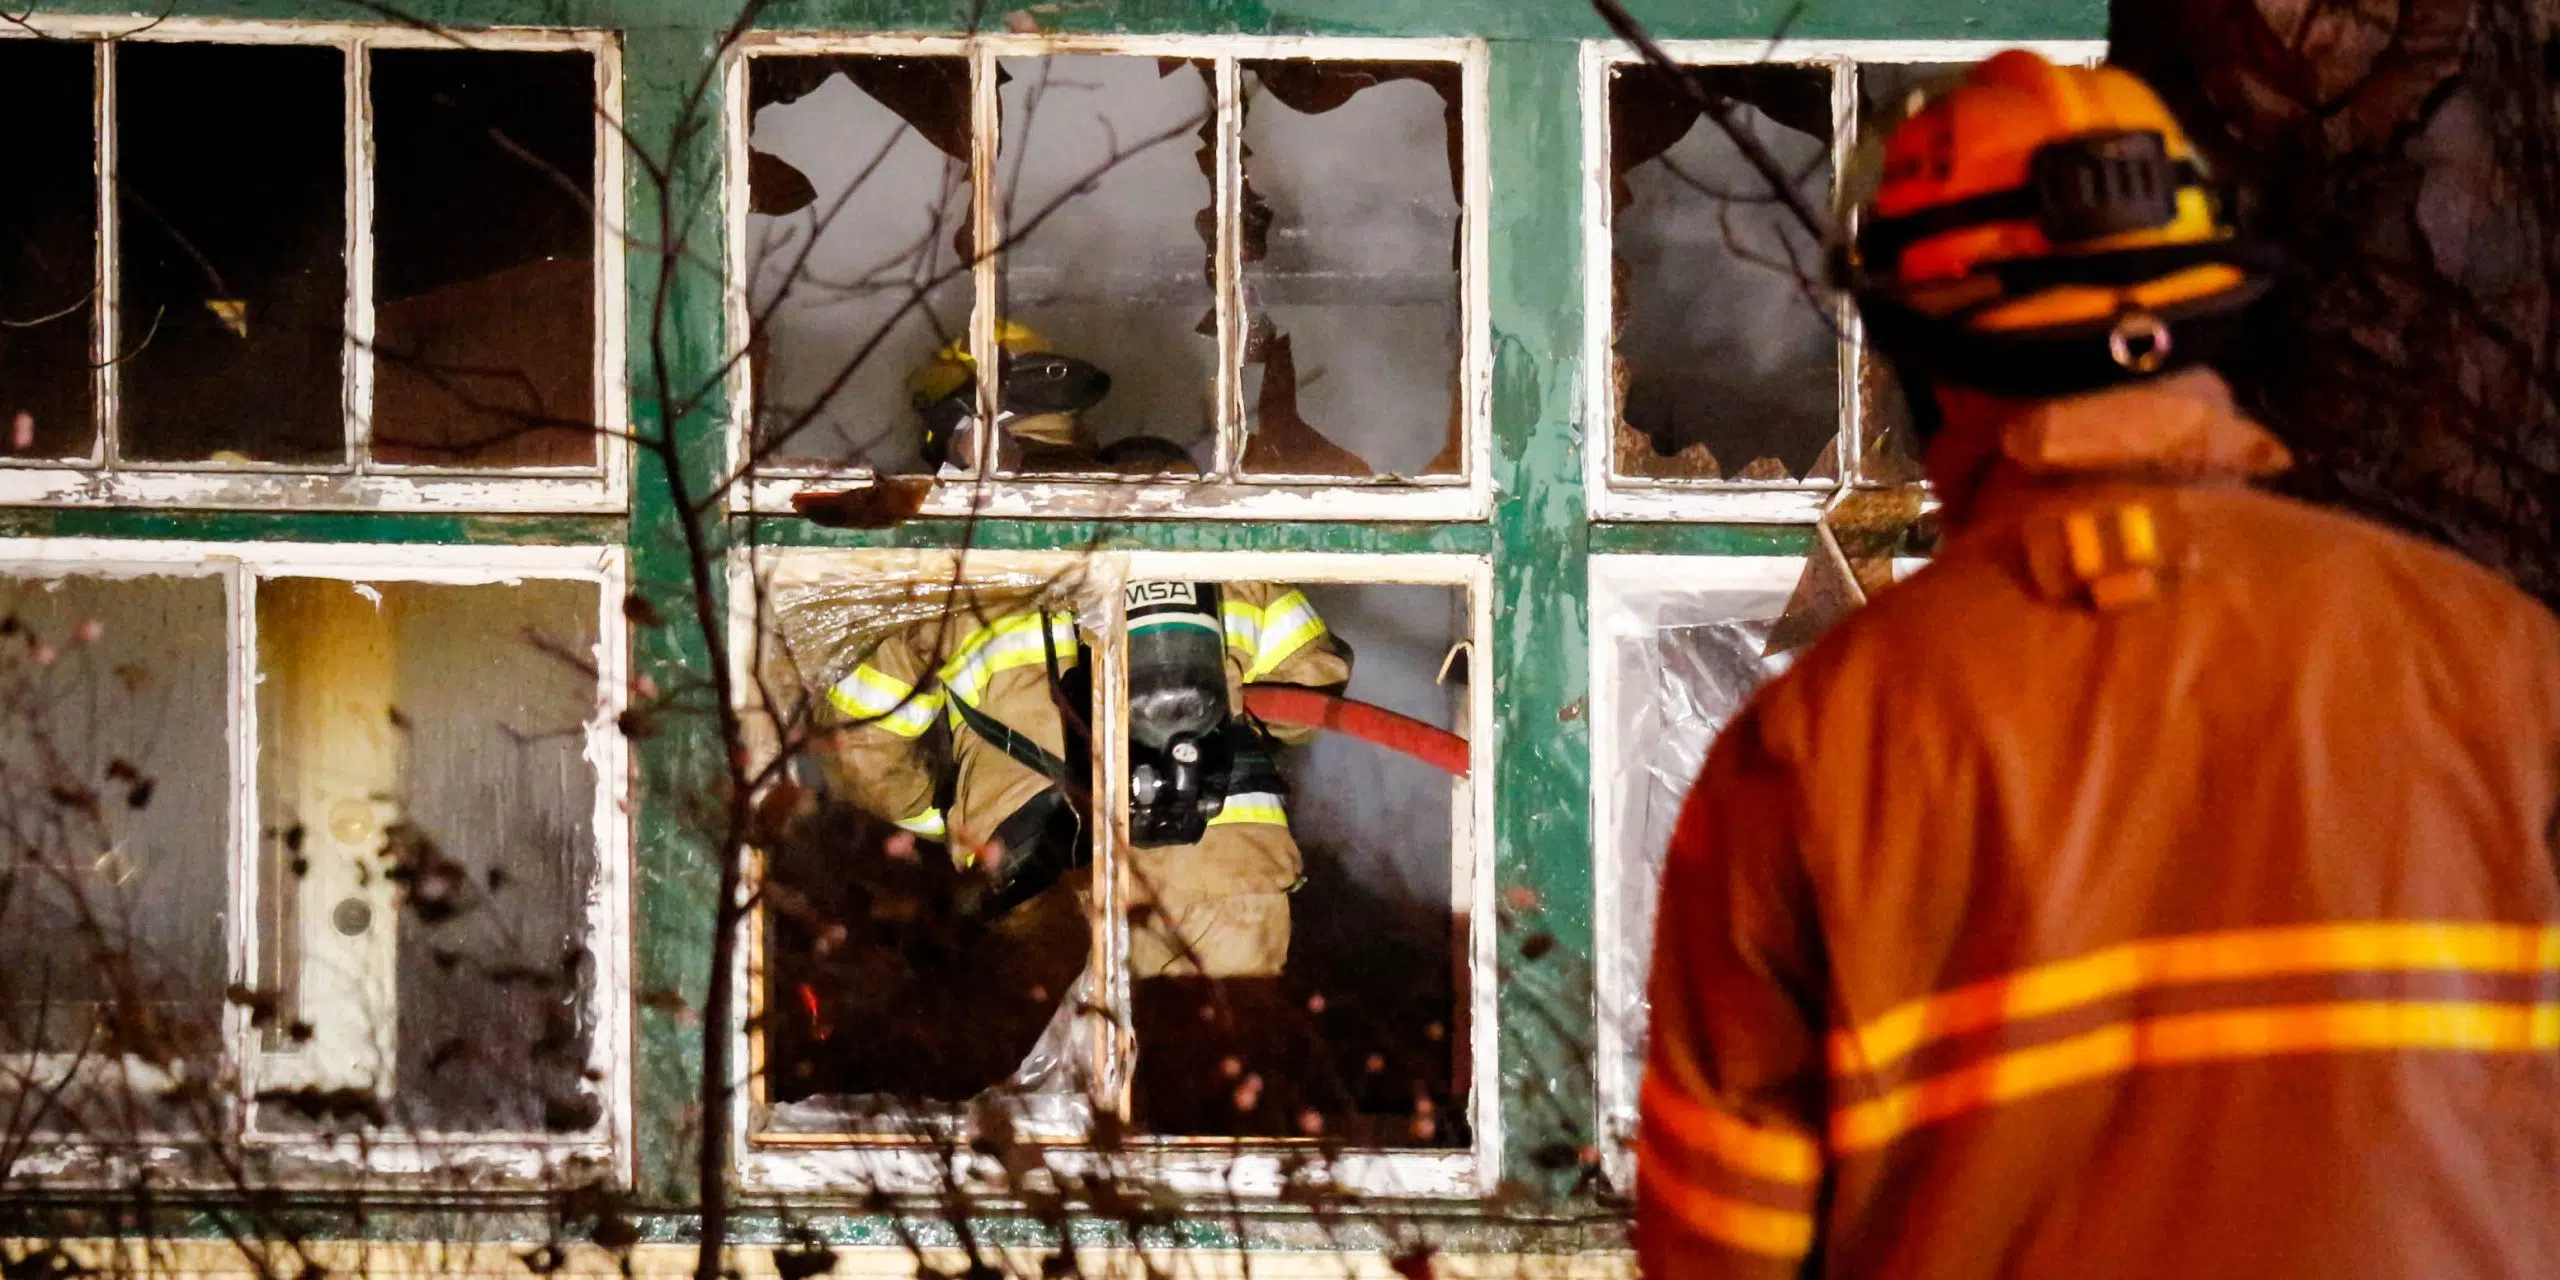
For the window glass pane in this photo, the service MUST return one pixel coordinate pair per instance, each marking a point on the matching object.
(114, 766)
(1681, 662)
(899, 984)
(1111, 221)
(430, 850)
(1352, 245)
(231, 178)
(1305, 975)
(484, 257)
(48, 247)
(1886, 93)
(858, 254)
(1727, 356)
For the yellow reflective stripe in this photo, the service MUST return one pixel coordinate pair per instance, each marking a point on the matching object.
(1287, 626)
(1735, 1224)
(2236, 955)
(1697, 1126)
(2473, 1026)
(1252, 806)
(1244, 626)
(1003, 646)
(885, 702)
(929, 823)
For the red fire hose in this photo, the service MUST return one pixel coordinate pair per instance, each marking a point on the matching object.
(1434, 746)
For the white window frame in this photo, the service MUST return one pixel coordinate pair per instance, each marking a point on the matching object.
(1615, 497)
(355, 481)
(1259, 1169)
(302, 1158)
(1467, 496)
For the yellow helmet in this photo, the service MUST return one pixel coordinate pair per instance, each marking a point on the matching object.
(2042, 230)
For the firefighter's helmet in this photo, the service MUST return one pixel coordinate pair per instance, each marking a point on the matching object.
(1044, 393)
(2038, 230)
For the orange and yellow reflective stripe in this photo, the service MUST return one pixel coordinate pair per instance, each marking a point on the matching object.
(1698, 1127)
(1684, 1134)
(1738, 1224)
(2217, 1036)
(2235, 955)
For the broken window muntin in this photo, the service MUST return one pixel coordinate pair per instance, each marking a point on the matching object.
(1862, 407)
(1226, 488)
(815, 1161)
(338, 472)
(599, 909)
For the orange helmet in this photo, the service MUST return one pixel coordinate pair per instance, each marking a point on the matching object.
(2040, 230)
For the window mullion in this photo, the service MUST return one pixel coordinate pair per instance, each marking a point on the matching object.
(1229, 268)
(986, 233)
(358, 349)
(107, 379)
(243, 846)
(1113, 1051)
(1851, 443)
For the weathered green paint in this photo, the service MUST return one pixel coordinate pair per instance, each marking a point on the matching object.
(1647, 538)
(307, 526)
(1539, 540)
(1149, 535)
(676, 346)
(1542, 827)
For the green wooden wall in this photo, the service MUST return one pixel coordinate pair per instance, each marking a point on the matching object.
(1539, 537)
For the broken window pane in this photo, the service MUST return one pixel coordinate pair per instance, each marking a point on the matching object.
(907, 970)
(858, 255)
(1887, 92)
(484, 257)
(1681, 663)
(1110, 217)
(429, 853)
(231, 177)
(48, 247)
(114, 761)
(1337, 1008)
(1352, 245)
(1727, 356)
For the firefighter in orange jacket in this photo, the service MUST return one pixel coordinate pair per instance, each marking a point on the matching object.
(2161, 883)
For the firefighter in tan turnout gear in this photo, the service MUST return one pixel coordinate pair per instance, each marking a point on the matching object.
(1213, 861)
(2161, 882)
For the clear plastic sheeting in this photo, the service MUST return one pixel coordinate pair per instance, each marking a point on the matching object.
(1679, 661)
(886, 1012)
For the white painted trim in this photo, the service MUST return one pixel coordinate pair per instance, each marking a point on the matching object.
(1124, 500)
(1466, 497)
(1614, 582)
(1612, 497)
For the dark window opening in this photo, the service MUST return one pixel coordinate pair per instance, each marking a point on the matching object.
(231, 185)
(48, 248)
(484, 258)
